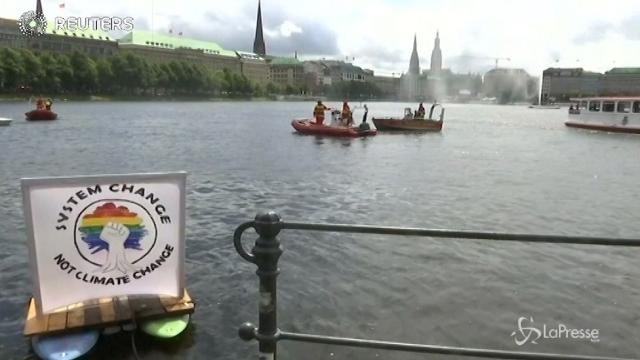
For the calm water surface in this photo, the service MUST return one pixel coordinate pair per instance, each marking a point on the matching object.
(494, 168)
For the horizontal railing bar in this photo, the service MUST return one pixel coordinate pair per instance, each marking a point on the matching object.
(433, 349)
(461, 234)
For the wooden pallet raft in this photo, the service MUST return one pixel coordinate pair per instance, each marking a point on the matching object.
(106, 312)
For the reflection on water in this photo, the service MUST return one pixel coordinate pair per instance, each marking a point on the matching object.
(492, 168)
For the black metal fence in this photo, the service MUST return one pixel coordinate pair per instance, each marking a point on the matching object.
(266, 252)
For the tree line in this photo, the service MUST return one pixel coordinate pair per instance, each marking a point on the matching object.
(22, 70)
(126, 74)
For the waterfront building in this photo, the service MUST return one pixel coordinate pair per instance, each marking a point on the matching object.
(428, 84)
(412, 81)
(287, 71)
(254, 67)
(159, 48)
(561, 84)
(91, 42)
(620, 82)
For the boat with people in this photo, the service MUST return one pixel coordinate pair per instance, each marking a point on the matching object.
(610, 114)
(42, 112)
(414, 121)
(341, 125)
(5, 121)
(34, 115)
(309, 127)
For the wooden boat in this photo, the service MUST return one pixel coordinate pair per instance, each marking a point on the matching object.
(41, 115)
(611, 114)
(309, 127)
(410, 122)
(5, 121)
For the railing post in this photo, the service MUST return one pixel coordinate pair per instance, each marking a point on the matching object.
(266, 253)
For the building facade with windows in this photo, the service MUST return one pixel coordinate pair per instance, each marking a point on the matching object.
(159, 48)
(92, 42)
(287, 71)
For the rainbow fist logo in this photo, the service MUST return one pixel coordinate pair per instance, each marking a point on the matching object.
(113, 237)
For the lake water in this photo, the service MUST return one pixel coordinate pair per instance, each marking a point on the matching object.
(493, 168)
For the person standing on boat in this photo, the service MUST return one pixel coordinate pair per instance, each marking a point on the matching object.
(347, 115)
(364, 126)
(318, 112)
(421, 111)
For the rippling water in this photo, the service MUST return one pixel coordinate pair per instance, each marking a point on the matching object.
(496, 168)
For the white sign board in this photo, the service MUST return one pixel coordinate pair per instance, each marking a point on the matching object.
(104, 236)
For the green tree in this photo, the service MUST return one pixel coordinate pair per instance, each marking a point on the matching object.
(2, 76)
(64, 72)
(258, 91)
(13, 68)
(105, 76)
(85, 74)
(52, 82)
(34, 76)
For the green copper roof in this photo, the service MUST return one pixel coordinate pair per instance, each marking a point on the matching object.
(628, 70)
(146, 38)
(285, 61)
(78, 33)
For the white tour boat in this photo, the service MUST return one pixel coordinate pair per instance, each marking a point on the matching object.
(613, 114)
(5, 121)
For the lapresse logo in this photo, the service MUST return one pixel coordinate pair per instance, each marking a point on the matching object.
(527, 332)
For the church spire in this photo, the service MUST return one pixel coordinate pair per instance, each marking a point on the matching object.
(414, 63)
(39, 8)
(258, 42)
(436, 55)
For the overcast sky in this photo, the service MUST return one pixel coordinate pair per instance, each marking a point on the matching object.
(534, 35)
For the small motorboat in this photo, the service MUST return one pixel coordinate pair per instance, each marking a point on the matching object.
(41, 115)
(5, 121)
(309, 127)
(546, 107)
(411, 122)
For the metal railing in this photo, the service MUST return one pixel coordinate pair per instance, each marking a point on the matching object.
(266, 252)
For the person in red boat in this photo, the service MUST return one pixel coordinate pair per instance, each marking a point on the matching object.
(318, 112)
(347, 115)
(48, 104)
(40, 104)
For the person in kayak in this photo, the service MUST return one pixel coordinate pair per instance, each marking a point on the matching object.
(347, 115)
(318, 112)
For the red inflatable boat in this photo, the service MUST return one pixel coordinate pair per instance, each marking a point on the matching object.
(309, 127)
(41, 115)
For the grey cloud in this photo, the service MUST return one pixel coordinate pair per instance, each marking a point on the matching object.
(594, 33)
(238, 33)
(630, 28)
(315, 39)
(471, 63)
